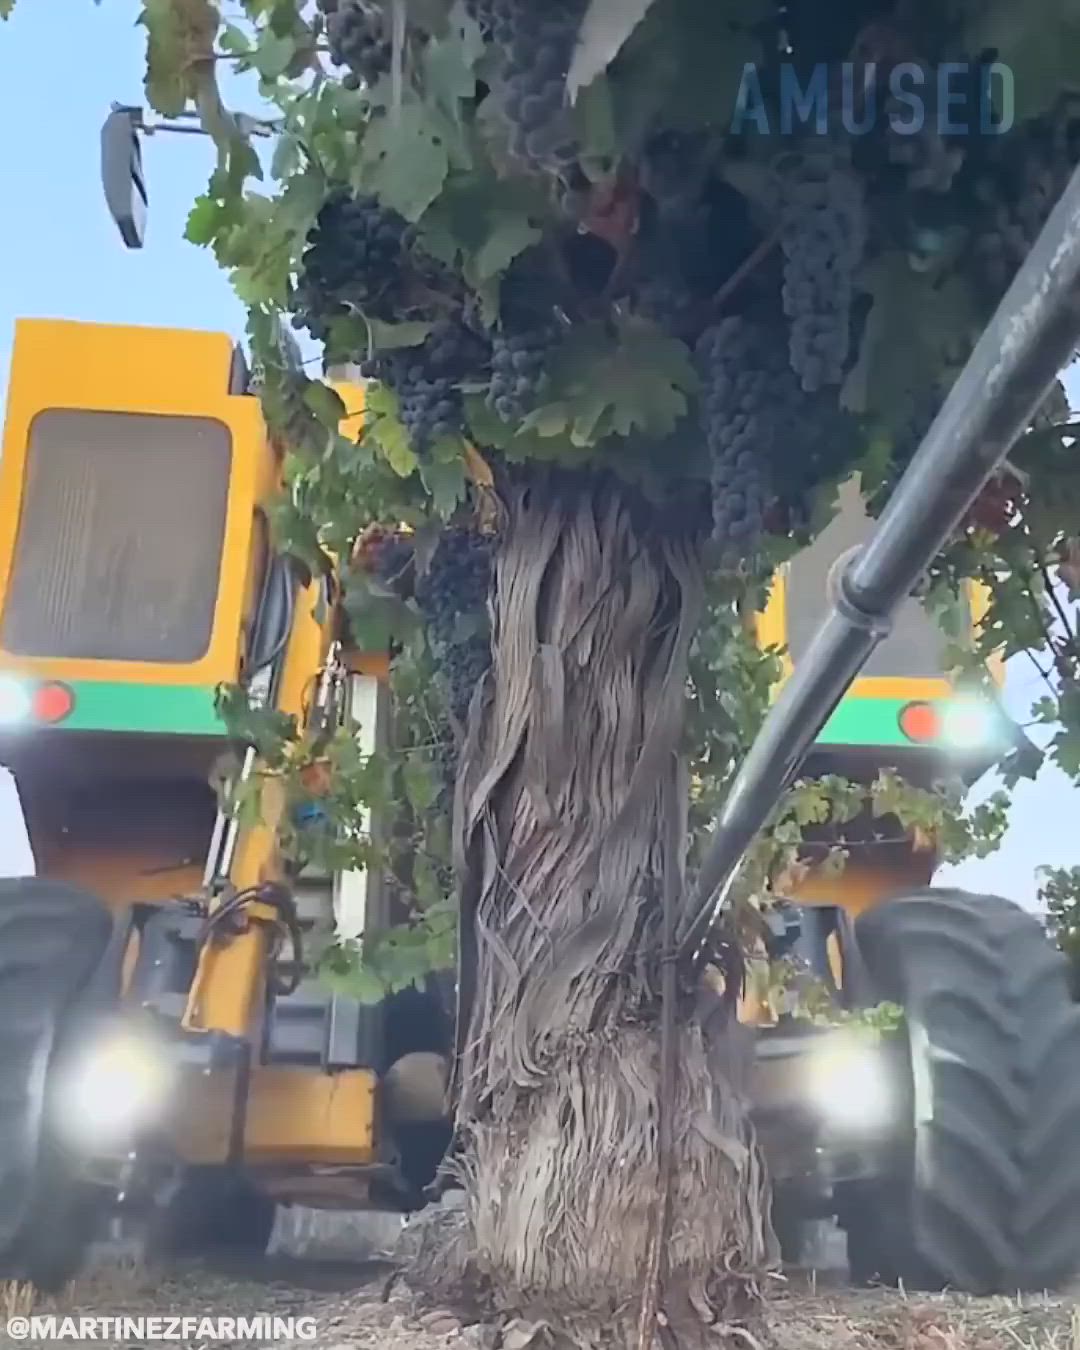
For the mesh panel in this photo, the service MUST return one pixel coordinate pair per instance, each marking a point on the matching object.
(915, 648)
(120, 537)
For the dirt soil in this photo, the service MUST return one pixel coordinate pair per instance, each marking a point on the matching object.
(351, 1314)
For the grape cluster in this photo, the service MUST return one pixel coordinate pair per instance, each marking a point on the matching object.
(519, 356)
(427, 380)
(356, 257)
(452, 596)
(355, 36)
(535, 43)
(823, 236)
(1018, 200)
(738, 421)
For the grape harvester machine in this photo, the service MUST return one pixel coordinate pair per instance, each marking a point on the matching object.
(947, 1150)
(160, 960)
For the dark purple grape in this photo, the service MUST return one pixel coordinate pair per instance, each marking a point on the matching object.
(427, 380)
(357, 39)
(535, 44)
(355, 259)
(519, 358)
(455, 587)
(824, 239)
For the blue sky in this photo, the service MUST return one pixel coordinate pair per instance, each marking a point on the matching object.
(63, 259)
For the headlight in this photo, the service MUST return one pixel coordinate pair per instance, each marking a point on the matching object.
(120, 1084)
(850, 1083)
(970, 723)
(15, 701)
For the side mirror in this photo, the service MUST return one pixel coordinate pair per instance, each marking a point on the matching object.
(122, 174)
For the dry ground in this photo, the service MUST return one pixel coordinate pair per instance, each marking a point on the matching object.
(802, 1314)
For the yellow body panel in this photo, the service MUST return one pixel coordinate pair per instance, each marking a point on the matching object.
(168, 372)
(298, 1116)
(860, 887)
(293, 1116)
(771, 628)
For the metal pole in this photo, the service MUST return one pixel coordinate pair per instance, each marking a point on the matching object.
(1030, 339)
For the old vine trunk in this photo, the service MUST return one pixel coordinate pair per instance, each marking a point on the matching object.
(571, 819)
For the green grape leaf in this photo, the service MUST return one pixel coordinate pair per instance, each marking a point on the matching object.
(916, 333)
(445, 478)
(208, 218)
(509, 234)
(180, 37)
(449, 62)
(325, 403)
(421, 787)
(404, 161)
(287, 157)
(386, 430)
(386, 337)
(356, 981)
(273, 54)
(235, 40)
(637, 381)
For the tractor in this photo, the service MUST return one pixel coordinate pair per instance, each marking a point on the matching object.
(164, 1044)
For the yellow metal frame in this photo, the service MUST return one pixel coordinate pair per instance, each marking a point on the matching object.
(293, 1116)
(160, 371)
(227, 991)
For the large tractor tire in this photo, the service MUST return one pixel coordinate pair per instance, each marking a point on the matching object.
(54, 940)
(984, 1194)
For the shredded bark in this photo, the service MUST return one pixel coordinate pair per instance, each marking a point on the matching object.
(571, 778)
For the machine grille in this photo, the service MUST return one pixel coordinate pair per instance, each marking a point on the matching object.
(120, 537)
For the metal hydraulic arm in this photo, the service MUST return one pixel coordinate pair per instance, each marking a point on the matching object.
(1031, 338)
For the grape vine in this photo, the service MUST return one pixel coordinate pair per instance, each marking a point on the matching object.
(698, 314)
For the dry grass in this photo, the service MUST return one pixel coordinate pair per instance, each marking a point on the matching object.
(802, 1318)
(803, 1313)
(113, 1284)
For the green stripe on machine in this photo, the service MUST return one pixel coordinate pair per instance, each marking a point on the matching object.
(188, 710)
(865, 721)
(172, 709)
